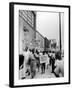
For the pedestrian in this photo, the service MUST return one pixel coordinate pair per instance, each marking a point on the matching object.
(36, 54)
(44, 62)
(52, 63)
(47, 61)
(50, 55)
(59, 63)
(26, 58)
(41, 61)
(32, 64)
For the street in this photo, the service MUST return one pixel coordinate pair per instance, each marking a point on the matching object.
(47, 74)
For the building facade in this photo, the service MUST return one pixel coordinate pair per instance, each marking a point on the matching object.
(46, 44)
(27, 27)
(40, 41)
(53, 45)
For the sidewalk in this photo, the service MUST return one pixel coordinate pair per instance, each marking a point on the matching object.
(47, 74)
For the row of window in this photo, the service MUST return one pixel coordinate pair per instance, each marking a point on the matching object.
(28, 16)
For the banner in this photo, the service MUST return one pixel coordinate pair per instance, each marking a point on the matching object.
(43, 59)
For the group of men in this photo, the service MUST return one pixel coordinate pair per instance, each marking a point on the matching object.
(38, 61)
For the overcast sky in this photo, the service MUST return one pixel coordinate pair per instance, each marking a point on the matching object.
(48, 25)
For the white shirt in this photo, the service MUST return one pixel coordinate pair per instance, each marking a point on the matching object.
(59, 67)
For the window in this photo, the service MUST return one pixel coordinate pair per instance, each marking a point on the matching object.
(28, 16)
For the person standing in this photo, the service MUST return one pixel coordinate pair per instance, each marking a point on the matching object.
(25, 66)
(52, 63)
(32, 64)
(43, 62)
(36, 54)
(59, 63)
(47, 61)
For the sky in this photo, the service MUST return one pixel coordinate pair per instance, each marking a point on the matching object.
(47, 23)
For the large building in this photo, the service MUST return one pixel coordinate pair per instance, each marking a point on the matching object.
(46, 44)
(40, 41)
(27, 27)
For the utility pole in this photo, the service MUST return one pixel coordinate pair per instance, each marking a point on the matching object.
(60, 29)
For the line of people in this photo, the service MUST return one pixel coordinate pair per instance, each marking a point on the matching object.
(39, 61)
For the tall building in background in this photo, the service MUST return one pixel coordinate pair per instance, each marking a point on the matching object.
(27, 28)
(53, 44)
(39, 41)
(46, 44)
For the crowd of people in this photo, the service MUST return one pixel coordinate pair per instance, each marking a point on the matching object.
(38, 61)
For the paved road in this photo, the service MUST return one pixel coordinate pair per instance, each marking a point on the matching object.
(47, 74)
